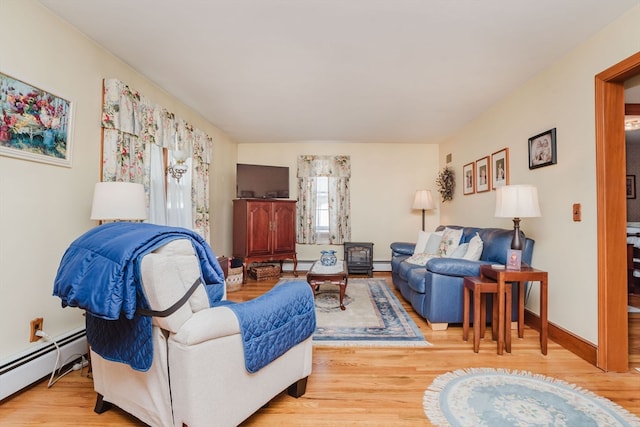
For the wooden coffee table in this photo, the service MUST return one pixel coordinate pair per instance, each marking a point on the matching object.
(335, 274)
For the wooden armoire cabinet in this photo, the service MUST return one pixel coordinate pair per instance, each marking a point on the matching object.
(264, 230)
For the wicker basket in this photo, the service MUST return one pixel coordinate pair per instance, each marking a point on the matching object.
(234, 279)
(264, 271)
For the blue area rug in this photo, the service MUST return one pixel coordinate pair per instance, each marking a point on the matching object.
(373, 316)
(496, 398)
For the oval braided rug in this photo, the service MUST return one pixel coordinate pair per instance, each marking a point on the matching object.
(498, 397)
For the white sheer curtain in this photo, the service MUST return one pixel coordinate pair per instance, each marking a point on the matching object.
(179, 208)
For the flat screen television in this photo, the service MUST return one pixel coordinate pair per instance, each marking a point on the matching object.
(262, 182)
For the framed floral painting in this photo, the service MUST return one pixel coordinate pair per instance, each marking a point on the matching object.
(483, 174)
(34, 124)
(500, 168)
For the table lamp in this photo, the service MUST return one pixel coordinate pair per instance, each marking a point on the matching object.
(517, 201)
(118, 201)
(423, 201)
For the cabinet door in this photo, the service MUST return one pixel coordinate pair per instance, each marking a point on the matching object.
(284, 224)
(258, 228)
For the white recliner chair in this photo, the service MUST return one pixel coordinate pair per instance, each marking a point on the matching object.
(198, 375)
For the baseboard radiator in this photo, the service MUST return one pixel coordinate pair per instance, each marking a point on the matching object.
(30, 366)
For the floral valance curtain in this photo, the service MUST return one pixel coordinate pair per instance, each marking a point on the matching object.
(338, 170)
(135, 132)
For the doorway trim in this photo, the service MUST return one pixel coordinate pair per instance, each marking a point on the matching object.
(613, 340)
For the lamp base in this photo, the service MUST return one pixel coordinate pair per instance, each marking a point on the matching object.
(516, 242)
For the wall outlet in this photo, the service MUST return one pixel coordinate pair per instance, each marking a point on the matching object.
(36, 325)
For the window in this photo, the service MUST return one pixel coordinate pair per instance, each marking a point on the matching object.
(323, 200)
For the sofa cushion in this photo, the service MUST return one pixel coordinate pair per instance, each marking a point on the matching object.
(450, 241)
(405, 268)
(454, 267)
(433, 244)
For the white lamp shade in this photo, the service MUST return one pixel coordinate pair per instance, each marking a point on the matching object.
(517, 201)
(423, 200)
(118, 201)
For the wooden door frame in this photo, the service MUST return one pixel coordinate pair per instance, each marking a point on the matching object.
(613, 341)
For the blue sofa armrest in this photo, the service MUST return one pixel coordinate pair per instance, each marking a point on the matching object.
(456, 267)
(402, 248)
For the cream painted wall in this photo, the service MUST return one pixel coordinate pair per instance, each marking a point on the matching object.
(384, 178)
(42, 207)
(560, 97)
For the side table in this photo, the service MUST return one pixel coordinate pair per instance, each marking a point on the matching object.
(519, 277)
(336, 274)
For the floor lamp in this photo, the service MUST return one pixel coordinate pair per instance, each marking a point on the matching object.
(423, 201)
(517, 201)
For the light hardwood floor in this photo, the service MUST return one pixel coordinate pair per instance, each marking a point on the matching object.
(353, 386)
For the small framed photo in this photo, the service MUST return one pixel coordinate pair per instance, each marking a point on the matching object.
(514, 259)
(542, 149)
(469, 174)
(500, 168)
(483, 173)
(631, 186)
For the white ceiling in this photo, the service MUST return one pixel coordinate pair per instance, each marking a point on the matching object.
(351, 70)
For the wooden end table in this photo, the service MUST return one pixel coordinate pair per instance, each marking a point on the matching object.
(335, 274)
(519, 277)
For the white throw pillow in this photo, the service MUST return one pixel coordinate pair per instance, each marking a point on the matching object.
(421, 243)
(433, 245)
(475, 248)
(460, 251)
(450, 241)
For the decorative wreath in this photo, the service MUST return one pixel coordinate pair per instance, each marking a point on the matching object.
(446, 183)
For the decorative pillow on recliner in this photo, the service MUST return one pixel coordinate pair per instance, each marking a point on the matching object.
(475, 248)
(420, 259)
(450, 241)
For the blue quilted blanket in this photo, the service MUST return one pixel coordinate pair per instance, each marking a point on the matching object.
(100, 273)
(275, 322)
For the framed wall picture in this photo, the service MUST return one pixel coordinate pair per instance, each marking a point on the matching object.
(631, 186)
(483, 174)
(500, 168)
(34, 124)
(542, 149)
(469, 176)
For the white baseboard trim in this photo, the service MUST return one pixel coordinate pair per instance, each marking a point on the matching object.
(22, 370)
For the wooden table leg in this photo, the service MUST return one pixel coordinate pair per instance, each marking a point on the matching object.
(507, 317)
(501, 326)
(343, 288)
(477, 309)
(521, 291)
(543, 315)
(465, 312)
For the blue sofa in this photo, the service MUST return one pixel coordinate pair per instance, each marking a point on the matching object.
(435, 290)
